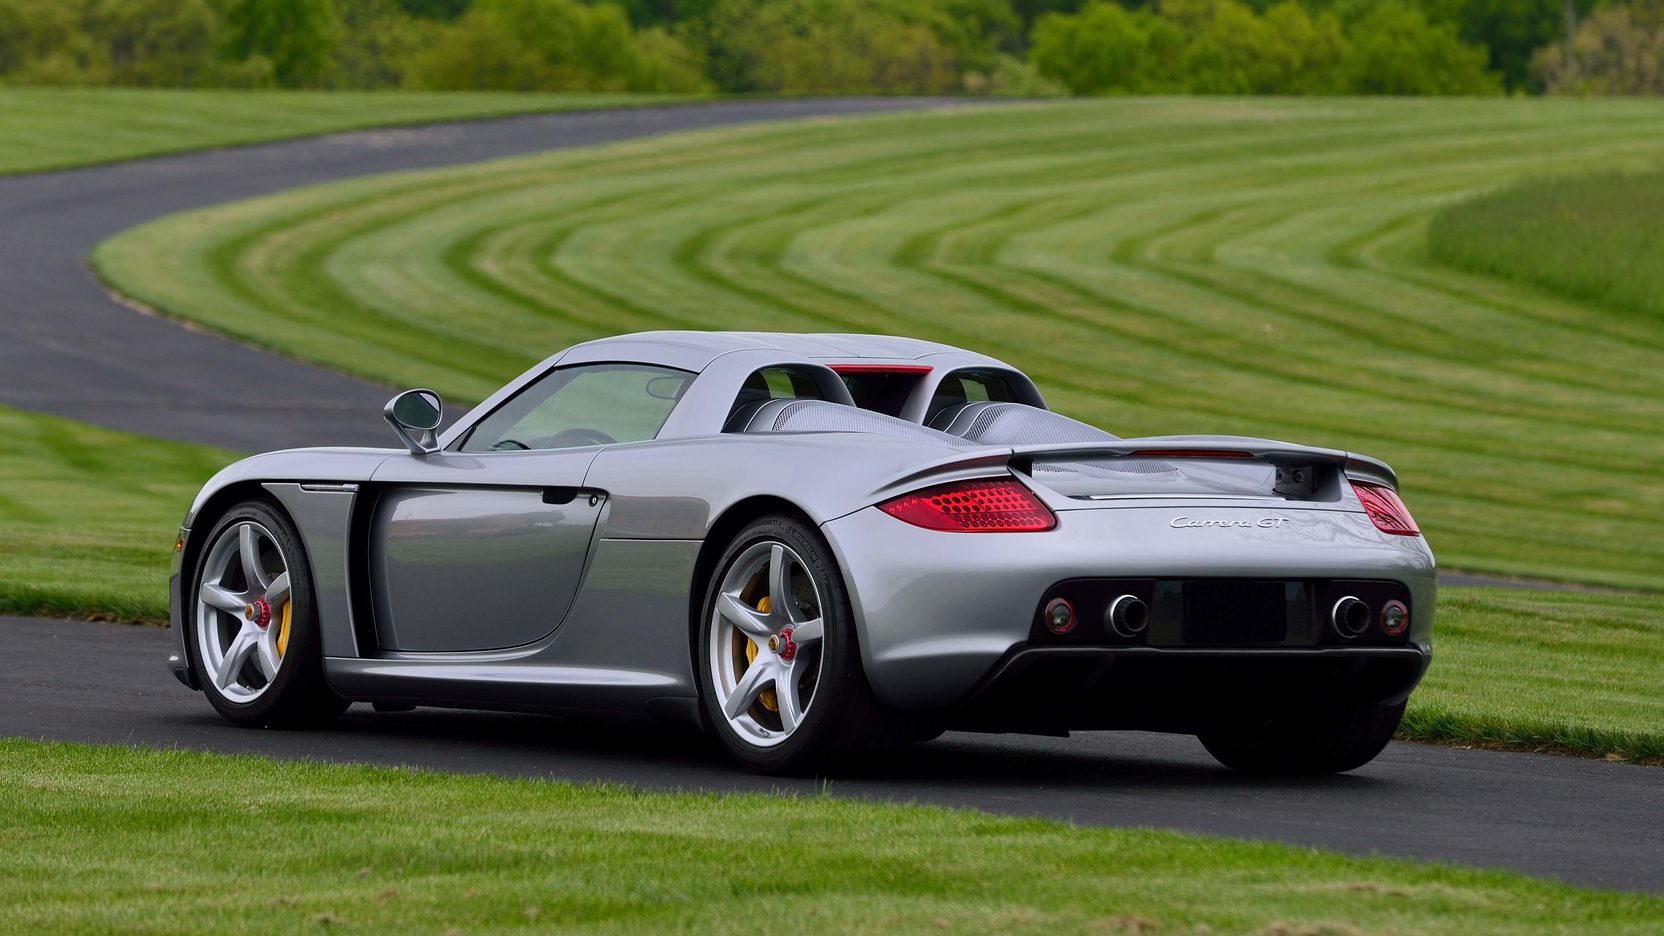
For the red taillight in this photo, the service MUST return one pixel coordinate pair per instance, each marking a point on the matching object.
(989, 506)
(1385, 510)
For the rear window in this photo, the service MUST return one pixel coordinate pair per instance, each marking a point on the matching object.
(881, 391)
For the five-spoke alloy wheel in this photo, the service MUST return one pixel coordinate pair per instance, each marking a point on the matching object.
(244, 613)
(780, 672)
(765, 638)
(255, 645)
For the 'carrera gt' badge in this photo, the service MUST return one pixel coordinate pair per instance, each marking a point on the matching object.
(1262, 523)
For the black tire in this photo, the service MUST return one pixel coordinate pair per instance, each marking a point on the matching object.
(1307, 744)
(298, 696)
(844, 724)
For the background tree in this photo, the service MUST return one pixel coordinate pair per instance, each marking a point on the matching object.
(1510, 30)
(550, 45)
(1615, 50)
(823, 46)
(296, 36)
(1395, 50)
(1106, 49)
(374, 44)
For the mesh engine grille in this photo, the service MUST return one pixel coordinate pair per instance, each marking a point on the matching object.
(823, 416)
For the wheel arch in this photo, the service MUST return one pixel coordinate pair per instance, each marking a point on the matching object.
(207, 517)
(722, 532)
(204, 520)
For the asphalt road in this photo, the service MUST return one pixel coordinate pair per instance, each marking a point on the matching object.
(1583, 821)
(67, 348)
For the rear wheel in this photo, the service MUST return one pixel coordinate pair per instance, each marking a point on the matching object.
(254, 636)
(779, 670)
(1332, 742)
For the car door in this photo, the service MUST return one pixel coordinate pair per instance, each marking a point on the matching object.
(471, 552)
(483, 546)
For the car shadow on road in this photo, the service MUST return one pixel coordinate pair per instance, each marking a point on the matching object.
(660, 756)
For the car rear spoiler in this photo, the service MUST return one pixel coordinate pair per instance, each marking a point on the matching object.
(1285, 455)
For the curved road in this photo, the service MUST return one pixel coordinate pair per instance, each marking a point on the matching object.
(66, 348)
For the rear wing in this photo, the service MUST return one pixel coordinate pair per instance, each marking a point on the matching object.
(1299, 468)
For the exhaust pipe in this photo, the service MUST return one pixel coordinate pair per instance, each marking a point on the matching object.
(1351, 617)
(1128, 616)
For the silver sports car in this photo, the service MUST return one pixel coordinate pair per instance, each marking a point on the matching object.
(818, 548)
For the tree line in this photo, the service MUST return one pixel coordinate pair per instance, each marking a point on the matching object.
(845, 46)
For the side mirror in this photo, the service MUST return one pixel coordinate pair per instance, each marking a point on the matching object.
(414, 415)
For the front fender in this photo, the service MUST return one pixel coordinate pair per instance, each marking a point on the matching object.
(307, 466)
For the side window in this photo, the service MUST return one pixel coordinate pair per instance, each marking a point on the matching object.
(591, 404)
(970, 386)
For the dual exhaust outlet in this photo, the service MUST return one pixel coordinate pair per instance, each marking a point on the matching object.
(1128, 616)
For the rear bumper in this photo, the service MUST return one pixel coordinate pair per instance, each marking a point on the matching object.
(936, 612)
(1047, 689)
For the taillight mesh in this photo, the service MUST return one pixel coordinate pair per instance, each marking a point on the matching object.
(989, 506)
(1385, 510)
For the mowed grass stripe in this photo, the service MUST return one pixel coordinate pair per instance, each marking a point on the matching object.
(55, 128)
(1159, 266)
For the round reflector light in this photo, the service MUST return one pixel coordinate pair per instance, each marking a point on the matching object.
(1060, 616)
(1395, 618)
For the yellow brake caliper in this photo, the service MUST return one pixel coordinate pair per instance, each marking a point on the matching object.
(766, 697)
(283, 629)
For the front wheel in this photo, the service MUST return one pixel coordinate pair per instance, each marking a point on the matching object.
(779, 669)
(1315, 743)
(254, 636)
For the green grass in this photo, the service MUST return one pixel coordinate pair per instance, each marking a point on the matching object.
(107, 839)
(88, 516)
(1594, 236)
(1160, 266)
(55, 128)
(1569, 672)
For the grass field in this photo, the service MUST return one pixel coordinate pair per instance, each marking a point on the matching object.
(1551, 671)
(88, 516)
(54, 128)
(1596, 237)
(1160, 266)
(108, 839)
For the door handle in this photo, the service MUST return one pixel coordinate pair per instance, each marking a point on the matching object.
(559, 495)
